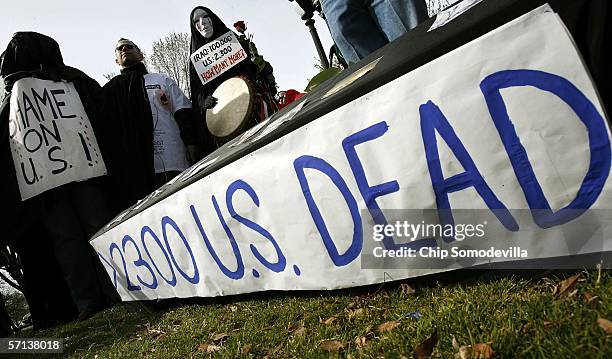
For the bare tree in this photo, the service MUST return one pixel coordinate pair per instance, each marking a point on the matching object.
(109, 76)
(171, 56)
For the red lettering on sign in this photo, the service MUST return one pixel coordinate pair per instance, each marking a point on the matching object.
(239, 56)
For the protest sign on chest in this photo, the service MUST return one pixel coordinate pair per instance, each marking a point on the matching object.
(51, 138)
(218, 56)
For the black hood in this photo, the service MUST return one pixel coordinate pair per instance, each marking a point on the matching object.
(29, 51)
(197, 40)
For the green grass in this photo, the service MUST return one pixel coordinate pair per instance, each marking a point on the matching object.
(479, 310)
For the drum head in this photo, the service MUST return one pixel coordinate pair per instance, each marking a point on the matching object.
(233, 109)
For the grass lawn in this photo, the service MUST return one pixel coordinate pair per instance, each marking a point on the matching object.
(496, 315)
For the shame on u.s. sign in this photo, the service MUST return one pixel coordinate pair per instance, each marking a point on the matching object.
(511, 121)
(217, 56)
(52, 141)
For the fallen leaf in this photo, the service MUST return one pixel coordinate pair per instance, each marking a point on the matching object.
(219, 337)
(276, 349)
(209, 348)
(157, 334)
(406, 289)
(161, 336)
(547, 323)
(246, 349)
(356, 313)
(425, 349)
(296, 329)
(330, 320)
(387, 326)
(360, 342)
(454, 343)
(331, 345)
(527, 327)
(233, 308)
(605, 325)
(590, 299)
(483, 350)
(293, 327)
(465, 352)
(566, 285)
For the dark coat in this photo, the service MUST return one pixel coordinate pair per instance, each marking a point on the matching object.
(125, 106)
(199, 92)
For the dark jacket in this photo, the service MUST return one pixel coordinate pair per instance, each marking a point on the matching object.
(125, 106)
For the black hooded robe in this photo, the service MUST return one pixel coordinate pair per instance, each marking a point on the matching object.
(199, 91)
(30, 54)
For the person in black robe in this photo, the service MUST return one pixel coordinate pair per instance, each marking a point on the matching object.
(64, 217)
(207, 27)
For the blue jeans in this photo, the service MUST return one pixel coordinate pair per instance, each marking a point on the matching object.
(360, 27)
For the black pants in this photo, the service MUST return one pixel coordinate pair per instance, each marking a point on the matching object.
(71, 216)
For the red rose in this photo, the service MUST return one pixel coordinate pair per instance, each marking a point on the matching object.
(240, 26)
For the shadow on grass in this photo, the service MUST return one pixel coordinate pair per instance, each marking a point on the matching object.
(122, 322)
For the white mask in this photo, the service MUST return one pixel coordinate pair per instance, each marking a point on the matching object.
(204, 26)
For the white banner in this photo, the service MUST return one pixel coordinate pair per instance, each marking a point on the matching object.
(52, 141)
(508, 121)
(218, 56)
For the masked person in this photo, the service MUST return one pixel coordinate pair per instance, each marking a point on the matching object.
(213, 63)
(53, 167)
(153, 138)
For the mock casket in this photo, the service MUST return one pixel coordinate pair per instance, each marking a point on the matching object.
(480, 138)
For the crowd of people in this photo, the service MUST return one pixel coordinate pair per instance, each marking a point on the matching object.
(147, 131)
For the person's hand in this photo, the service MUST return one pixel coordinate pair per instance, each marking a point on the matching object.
(194, 154)
(209, 102)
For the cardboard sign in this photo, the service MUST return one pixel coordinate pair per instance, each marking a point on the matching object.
(52, 141)
(510, 122)
(218, 56)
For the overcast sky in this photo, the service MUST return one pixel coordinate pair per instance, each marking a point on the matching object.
(87, 31)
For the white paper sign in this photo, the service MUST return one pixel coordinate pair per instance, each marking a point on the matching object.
(448, 15)
(52, 141)
(218, 56)
(510, 121)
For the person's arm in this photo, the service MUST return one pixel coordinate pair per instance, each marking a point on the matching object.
(185, 120)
